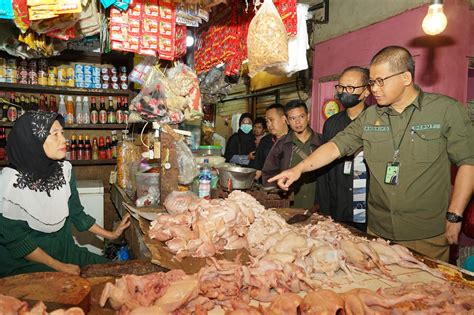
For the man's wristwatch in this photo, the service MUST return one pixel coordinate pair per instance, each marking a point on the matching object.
(453, 217)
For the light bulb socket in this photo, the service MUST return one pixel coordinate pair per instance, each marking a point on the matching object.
(437, 2)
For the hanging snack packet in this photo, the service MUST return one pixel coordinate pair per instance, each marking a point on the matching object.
(267, 40)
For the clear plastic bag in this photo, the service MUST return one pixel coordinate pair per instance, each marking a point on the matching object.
(267, 40)
(186, 165)
(127, 153)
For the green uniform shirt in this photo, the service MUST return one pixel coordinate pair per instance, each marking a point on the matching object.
(305, 187)
(439, 133)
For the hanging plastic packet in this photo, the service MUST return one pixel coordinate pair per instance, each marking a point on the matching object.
(6, 9)
(267, 40)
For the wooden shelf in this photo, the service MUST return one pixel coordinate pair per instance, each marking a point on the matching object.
(94, 162)
(35, 88)
(9, 124)
(78, 162)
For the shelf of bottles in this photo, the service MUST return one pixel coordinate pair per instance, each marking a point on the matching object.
(38, 89)
(77, 162)
(79, 112)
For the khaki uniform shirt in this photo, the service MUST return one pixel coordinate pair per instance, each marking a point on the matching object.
(305, 187)
(439, 133)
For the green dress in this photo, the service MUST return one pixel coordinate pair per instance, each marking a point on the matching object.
(17, 240)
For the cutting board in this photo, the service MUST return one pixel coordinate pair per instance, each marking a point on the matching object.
(55, 289)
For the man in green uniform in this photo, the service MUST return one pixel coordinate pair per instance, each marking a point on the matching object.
(410, 140)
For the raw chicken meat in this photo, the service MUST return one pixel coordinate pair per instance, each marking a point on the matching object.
(179, 201)
(10, 305)
(322, 302)
(286, 303)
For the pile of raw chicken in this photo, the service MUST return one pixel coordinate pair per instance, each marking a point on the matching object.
(12, 306)
(285, 260)
(231, 286)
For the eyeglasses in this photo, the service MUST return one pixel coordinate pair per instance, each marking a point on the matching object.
(381, 81)
(349, 89)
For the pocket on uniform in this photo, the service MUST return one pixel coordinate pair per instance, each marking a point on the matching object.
(378, 146)
(426, 145)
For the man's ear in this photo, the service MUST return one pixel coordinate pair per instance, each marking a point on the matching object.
(407, 78)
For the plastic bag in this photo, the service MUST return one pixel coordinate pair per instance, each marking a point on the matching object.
(179, 201)
(186, 165)
(267, 40)
(127, 153)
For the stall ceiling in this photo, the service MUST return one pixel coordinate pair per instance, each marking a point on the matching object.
(349, 15)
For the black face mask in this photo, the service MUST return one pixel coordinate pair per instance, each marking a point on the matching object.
(348, 100)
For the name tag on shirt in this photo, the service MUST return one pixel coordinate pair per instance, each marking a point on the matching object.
(347, 167)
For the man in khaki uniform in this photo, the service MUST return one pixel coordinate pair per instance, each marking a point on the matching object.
(409, 140)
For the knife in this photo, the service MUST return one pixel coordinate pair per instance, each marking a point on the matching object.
(300, 217)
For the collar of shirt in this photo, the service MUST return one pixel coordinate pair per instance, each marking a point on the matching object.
(389, 110)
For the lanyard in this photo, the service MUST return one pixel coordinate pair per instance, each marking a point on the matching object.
(396, 148)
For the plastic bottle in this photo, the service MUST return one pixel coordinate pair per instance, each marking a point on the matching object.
(86, 118)
(78, 110)
(62, 107)
(205, 181)
(69, 110)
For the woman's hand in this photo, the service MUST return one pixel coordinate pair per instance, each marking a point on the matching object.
(69, 268)
(122, 226)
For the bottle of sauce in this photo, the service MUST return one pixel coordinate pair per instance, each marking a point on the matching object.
(73, 148)
(114, 144)
(94, 112)
(69, 110)
(80, 148)
(87, 149)
(108, 148)
(102, 112)
(119, 112)
(111, 112)
(102, 150)
(95, 149)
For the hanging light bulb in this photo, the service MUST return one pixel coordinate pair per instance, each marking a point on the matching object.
(435, 21)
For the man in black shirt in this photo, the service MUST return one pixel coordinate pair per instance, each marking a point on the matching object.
(342, 188)
(277, 126)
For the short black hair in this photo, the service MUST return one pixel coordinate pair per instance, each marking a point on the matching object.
(262, 121)
(295, 104)
(278, 107)
(363, 71)
(399, 59)
(243, 116)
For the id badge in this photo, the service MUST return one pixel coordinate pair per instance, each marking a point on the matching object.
(347, 167)
(392, 172)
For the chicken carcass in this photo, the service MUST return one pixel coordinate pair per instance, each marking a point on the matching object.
(286, 303)
(397, 254)
(10, 305)
(178, 294)
(322, 302)
(328, 260)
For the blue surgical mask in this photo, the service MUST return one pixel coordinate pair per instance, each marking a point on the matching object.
(246, 128)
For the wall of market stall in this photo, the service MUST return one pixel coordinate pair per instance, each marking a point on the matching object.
(441, 61)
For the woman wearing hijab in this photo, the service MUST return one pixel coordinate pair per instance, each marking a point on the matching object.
(241, 143)
(39, 202)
